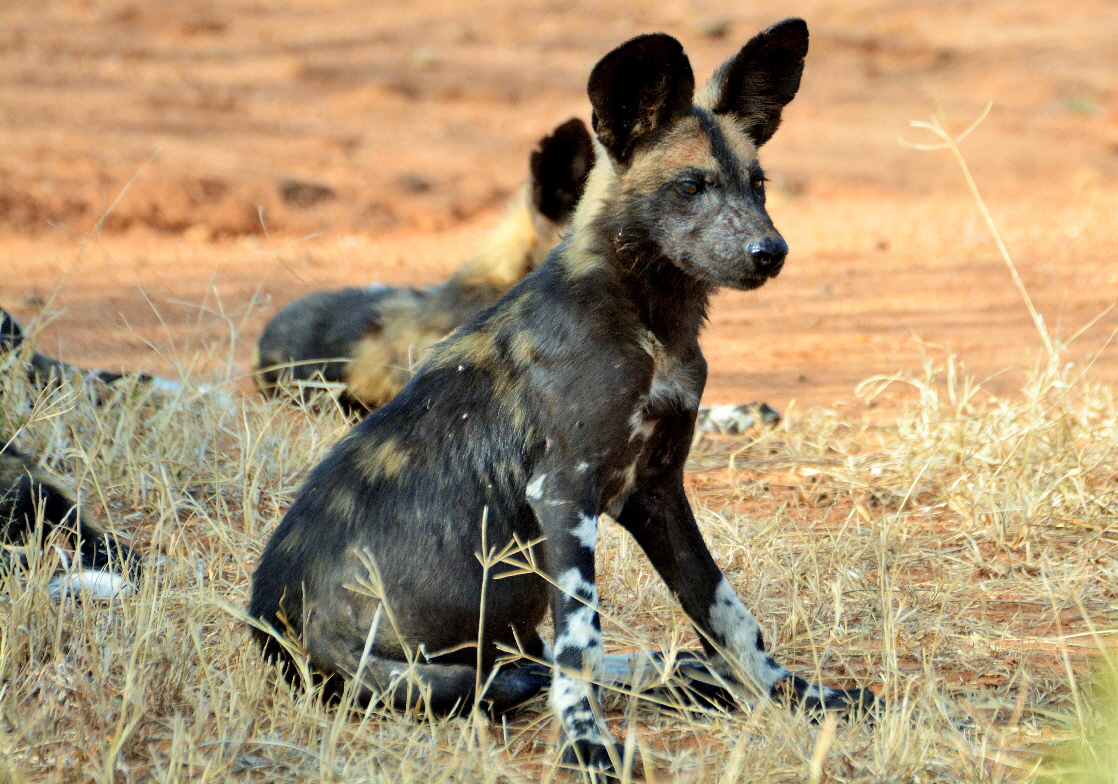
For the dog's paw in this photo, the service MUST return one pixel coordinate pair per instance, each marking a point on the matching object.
(513, 686)
(734, 420)
(693, 684)
(816, 701)
(594, 757)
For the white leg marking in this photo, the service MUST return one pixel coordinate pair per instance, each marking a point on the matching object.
(570, 699)
(579, 631)
(742, 638)
(571, 695)
(586, 531)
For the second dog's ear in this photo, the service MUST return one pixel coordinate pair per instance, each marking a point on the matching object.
(638, 90)
(11, 336)
(560, 165)
(757, 83)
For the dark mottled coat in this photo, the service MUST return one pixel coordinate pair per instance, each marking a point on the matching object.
(573, 398)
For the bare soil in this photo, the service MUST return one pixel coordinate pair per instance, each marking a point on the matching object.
(233, 156)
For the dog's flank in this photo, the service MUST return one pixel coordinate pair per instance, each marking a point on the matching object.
(33, 505)
(573, 399)
(369, 339)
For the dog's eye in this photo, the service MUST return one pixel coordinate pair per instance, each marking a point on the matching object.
(690, 187)
(757, 183)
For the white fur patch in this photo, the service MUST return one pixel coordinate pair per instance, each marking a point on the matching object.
(535, 487)
(731, 621)
(165, 385)
(90, 584)
(578, 631)
(570, 699)
(586, 531)
(572, 583)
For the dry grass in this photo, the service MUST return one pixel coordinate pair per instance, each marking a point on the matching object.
(962, 562)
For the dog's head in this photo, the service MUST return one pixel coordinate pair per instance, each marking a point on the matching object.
(11, 336)
(687, 176)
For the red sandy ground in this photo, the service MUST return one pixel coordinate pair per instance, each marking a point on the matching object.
(418, 117)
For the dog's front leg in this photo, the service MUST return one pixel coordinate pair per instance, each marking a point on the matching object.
(567, 509)
(660, 518)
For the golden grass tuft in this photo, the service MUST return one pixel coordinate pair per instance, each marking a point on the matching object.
(961, 561)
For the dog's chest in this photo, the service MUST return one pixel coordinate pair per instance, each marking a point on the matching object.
(674, 385)
(673, 388)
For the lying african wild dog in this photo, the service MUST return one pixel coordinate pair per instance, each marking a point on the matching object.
(370, 338)
(46, 372)
(29, 495)
(32, 501)
(572, 398)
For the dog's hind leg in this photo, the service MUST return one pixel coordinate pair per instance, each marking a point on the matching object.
(447, 689)
(443, 688)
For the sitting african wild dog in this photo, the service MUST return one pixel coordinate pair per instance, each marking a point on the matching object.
(370, 338)
(32, 501)
(573, 398)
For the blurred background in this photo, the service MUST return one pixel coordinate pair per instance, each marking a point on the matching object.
(233, 156)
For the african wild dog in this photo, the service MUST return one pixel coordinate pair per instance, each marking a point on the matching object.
(571, 399)
(370, 338)
(46, 372)
(31, 501)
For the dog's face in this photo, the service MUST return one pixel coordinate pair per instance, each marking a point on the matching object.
(687, 170)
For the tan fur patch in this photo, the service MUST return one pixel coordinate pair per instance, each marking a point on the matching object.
(387, 460)
(468, 349)
(375, 373)
(737, 140)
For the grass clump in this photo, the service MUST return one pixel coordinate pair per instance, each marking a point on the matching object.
(961, 561)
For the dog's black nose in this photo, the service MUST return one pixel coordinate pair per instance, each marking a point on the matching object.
(768, 254)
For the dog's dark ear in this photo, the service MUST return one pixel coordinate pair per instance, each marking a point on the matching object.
(11, 336)
(638, 90)
(762, 78)
(560, 164)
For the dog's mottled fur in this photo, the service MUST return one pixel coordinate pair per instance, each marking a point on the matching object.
(572, 399)
(33, 505)
(369, 339)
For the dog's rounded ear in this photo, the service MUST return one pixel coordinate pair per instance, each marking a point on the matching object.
(638, 90)
(757, 83)
(560, 165)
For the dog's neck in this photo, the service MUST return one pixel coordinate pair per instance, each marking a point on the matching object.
(606, 237)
